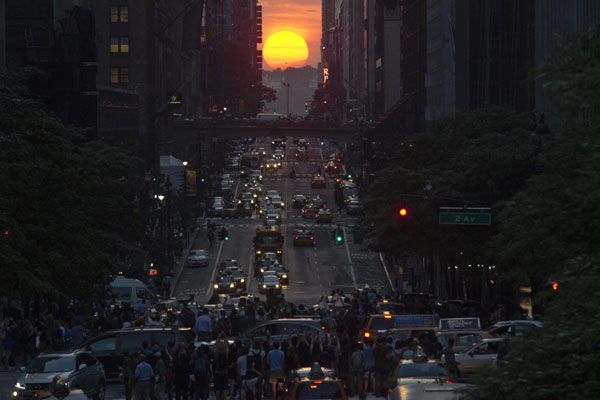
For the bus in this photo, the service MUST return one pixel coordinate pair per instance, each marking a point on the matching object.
(268, 239)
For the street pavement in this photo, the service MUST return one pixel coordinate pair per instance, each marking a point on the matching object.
(313, 271)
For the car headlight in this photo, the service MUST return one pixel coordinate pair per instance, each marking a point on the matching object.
(260, 177)
(216, 286)
(258, 251)
(19, 385)
(282, 204)
(284, 276)
(231, 285)
(242, 280)
(239, 202)
(264, 286)
(262, 270)
(276, 285)
(254, 195)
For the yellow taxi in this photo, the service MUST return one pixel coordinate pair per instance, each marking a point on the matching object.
(313, 383)
(464, 331)
(318, 182)
(378, 324)
(324, 215)
(310, 211)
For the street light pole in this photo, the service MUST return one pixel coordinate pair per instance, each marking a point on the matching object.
(287, 102)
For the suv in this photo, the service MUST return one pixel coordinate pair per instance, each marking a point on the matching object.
(109, 346)
(78, 368)
(281, 329)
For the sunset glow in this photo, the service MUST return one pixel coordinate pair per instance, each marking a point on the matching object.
(285, 49)
(302, 17)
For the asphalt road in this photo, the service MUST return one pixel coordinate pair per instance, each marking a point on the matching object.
(313, 271)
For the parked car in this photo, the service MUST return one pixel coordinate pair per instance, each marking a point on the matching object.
(78, 368)
(481, 354)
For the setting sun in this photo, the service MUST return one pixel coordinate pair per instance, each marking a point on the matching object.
(285, 49)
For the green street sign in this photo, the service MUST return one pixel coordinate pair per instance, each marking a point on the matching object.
(459, 218)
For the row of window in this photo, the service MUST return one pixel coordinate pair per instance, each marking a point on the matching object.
(119, 14)
(119, 44)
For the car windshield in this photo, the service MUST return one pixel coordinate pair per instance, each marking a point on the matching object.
(121, 293)
(198, 253)
(410, 370)
(270, 279)
(50, 364)
(224, 279)
(315, 390)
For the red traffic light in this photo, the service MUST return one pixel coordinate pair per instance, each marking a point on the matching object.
(554, 285)
(402, 212)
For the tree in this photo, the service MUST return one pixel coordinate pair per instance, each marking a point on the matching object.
(549, 231)
(67, 202)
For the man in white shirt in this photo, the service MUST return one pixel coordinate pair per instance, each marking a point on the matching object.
(203, 326)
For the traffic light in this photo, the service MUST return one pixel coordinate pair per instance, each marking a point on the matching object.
(349, 176)
(555, 286)
(306, 106)
(154, 179)
(223, 234)
(322, 142)
(339, 237)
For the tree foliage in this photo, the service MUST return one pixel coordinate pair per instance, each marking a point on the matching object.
(550, 230)
(66, 202)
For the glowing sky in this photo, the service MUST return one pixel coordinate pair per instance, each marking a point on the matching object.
(299, 16)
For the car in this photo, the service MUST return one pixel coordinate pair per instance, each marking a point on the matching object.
(299, 200)
(273, 165)
(354, 207)
(302, 154)
(515, 328)
(269, 283)
(281, 273)
(303, 142)
(268, 222)
(279, 154)
(324, 215)
(256, 175)
(78, 369)
(224, 284)
(432, 390)
(277, 201)
(271, 193)
(318, 202)
(315, 384)
(110, 346)
(197, 258)
(278, 142)
(262, 266)
(246, 197)
(419, 369)
(238, 277)
(273, 214)
(261, 151)
(304, 238)
(228, 264)
(464, 331)
(480, 355)
(332, 167)
(310, 211)
(279, 330)
(318, 182)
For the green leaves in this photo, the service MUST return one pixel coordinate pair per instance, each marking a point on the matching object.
(67, 201)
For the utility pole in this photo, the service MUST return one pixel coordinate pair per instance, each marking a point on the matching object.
(287, 102)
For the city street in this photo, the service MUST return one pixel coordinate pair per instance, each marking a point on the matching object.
(313, 271)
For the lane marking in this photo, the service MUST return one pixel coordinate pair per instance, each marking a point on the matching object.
(386, 271)
(248, 276)
(214, 273)
(349, 257)
(321, 152)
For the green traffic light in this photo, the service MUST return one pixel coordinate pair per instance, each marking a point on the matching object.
(226, 237)
(154, 179)
(202, 180)
(349, 176)
(339, 238)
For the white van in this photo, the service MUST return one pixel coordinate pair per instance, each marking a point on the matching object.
(268, 117)
(132, 291)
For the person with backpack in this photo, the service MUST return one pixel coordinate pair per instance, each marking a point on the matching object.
(250, 385)
(255, 362)
(357, 370)
(201, 362)
(220, 368)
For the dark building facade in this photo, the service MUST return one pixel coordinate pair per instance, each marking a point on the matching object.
(57, 37)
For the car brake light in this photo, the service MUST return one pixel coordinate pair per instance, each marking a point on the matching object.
(318, 382)
(387, 316)
(311, 238)
(297, 238)
(313, 386)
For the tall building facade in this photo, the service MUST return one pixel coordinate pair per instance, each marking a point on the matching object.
(59, 38)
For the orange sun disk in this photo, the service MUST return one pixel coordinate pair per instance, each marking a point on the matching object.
(285, 49)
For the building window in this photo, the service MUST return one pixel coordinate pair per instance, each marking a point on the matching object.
(124, 75)
(119, 14)
(114, 75)
(119, 44)
(119, 75)
(114, 45)
(124, 44)
(124, 15)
